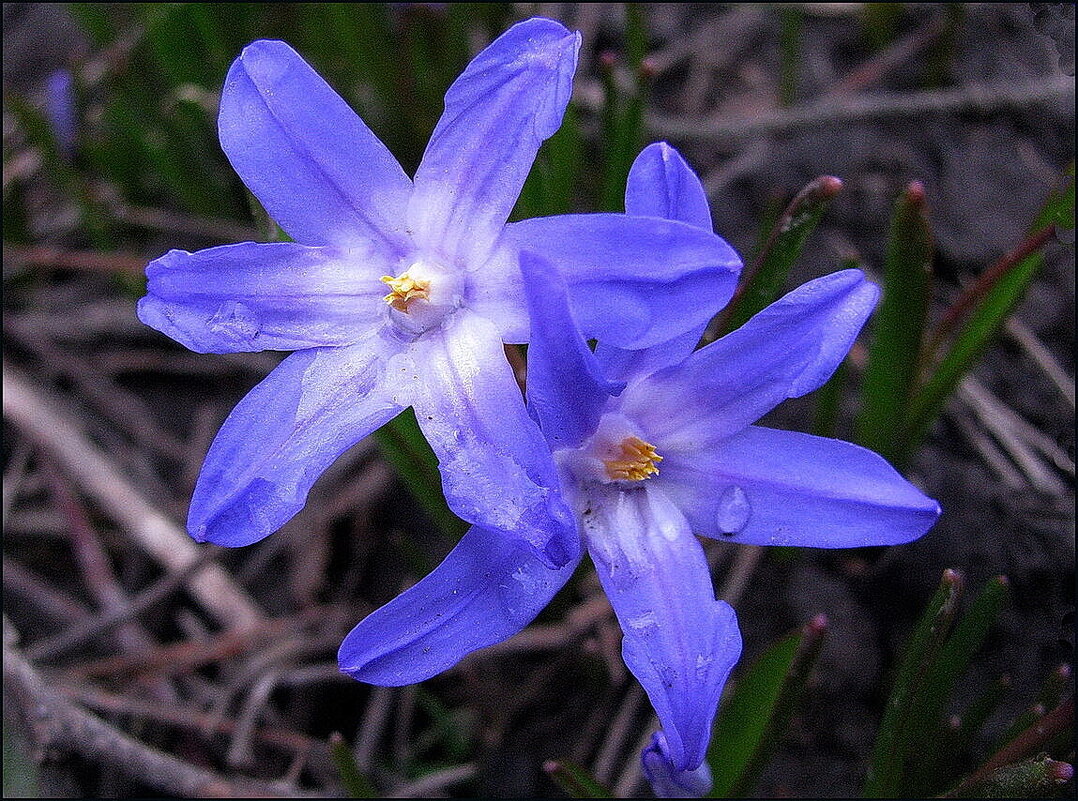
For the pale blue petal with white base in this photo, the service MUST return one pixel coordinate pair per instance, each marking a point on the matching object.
(275, 296)
(488, 588)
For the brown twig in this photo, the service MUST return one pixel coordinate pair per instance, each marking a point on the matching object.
(979, 98)
(892, 57)
(86, 260)
(621, 728)
(186, 656)
(39, 417)
(189, 720)
(95, 626)
(54, 603)
(125, 410)
(58, 725)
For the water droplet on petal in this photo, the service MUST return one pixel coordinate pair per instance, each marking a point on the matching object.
(233, 319)
(734, 511)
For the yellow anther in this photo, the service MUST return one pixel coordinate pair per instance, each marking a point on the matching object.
(405, 290)
(637, 461)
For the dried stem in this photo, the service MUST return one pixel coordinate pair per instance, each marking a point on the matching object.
(58, 725)
(39, 417)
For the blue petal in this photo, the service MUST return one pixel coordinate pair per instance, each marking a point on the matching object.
(661, 184)
(497, 113)
(566, 390)
(282, 436)
(311, 161)
(679, 642)
(497, 470)
(667, 781)
(787, 350)
(769, 487)
(634, 281)
(277, 296)
(488, 588)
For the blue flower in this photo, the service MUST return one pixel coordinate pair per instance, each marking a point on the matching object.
(60, 110)
(400, 293)
(653, 446)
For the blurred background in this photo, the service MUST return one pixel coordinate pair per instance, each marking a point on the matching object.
(137, 663)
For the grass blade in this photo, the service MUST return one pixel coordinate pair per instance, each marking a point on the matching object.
(750, 727)
(928, 709)
(995, 304)
(575, 781)
(762, 281)
(898, 332)
(355, 783)
(886, 769)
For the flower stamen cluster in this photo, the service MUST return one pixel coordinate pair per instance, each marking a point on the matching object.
(637, 461)
(405, 290)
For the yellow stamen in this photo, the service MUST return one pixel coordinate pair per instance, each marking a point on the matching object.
(405, 290)
(638, 460)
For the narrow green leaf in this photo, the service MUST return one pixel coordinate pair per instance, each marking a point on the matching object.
(790, 18)
(887, 764)
(623, 109)
(1058, 682)
(928, 708)
(355, 783)
(446, 724)
(1040, 777)
(762, 281)
(751, 725)
(984, 321)
(575, 781)
(551, 184)
(403, 445)
(20, 772)
(898, 329)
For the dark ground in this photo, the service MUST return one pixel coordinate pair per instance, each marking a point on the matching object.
(987, 165)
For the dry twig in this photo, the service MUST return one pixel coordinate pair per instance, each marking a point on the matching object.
(42, 421)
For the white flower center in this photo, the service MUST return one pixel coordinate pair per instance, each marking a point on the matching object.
(423, 295)
(615, 454)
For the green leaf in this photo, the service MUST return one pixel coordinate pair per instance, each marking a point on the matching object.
(898, 330)
(551, 184)
(405, 448)
(575, 781)
(356, 784)
(928, 707)
(751, 725)
(762, 281)
(623, 111)
(20, 772)
(989, 313)
(1040, 777)
(888, 762)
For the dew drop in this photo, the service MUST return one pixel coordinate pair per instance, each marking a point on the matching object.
(734, 511)
(233, 319)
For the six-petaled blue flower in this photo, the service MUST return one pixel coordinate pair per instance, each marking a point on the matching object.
(398, 293)
(652, 446)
